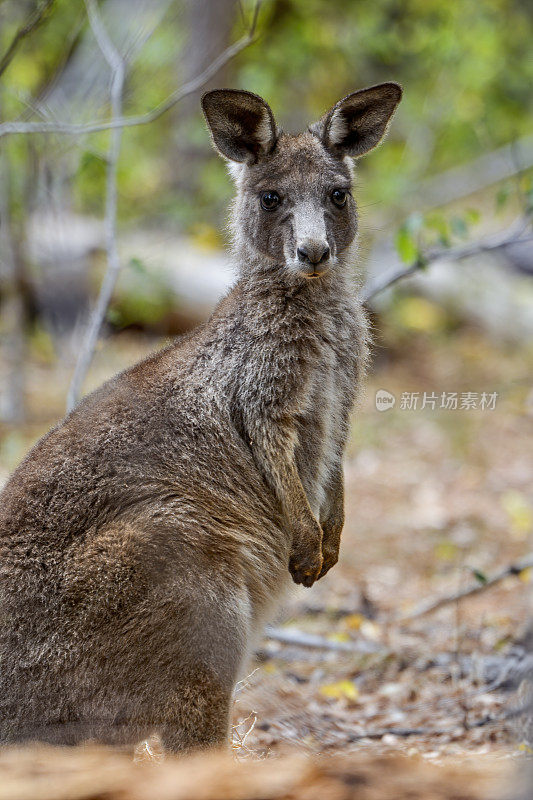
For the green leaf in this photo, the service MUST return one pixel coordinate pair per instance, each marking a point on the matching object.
(479, 576)
(473, 216)
(113, 317)
(406, 245)
(502, 196)
(459, 227)
(529, 200)
(439, 224)
(138, 266)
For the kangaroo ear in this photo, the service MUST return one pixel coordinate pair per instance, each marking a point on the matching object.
(241, 124)
(359, 122)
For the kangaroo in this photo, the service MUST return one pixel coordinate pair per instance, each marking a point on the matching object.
(147, 538)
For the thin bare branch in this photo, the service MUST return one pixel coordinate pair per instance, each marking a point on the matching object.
(12, 404)
(302, 639)
(9, 128)
(109, 51)
(516, 233)
(428, 607)
(116, 64)
(113, 261)
(34, 20)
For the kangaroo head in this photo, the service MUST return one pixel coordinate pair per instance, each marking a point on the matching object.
(294, 209)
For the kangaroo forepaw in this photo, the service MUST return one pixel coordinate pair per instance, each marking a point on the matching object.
(331, 556)
(306, 569)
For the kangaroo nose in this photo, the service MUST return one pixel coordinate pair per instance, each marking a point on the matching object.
(313, 253)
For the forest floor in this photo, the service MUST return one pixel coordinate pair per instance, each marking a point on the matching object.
(436, 499)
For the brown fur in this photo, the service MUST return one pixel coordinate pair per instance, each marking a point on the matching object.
(146, 538)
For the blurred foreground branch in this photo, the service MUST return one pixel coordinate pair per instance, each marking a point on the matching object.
(34, 20)
(516, 233)
(428, 607)
(192, 86)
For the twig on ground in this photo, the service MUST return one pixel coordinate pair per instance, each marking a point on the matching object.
(516, 233)
(117, 67)
(34, 20)
(406, 732)
(489, 719)
(239, 740)
(302, 639)
(428, 607)
(244, 683)
(74, 129)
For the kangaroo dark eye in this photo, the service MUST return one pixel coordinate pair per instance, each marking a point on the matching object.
(269, 200)
(339, 197)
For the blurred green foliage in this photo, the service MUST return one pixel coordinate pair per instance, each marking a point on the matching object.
(422, 233)
(466, 68)
(142, 297)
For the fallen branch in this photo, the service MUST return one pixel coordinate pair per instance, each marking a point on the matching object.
(489, 719)
(516, 233)
(430, 606)
(74, 129)
(302, 639)
(406, 732)
(33, 22)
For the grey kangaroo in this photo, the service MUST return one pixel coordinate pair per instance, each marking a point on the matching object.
(146, 539)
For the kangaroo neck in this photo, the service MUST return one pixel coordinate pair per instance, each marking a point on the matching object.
(274, 290)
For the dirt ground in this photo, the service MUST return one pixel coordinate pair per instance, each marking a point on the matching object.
(436, 499)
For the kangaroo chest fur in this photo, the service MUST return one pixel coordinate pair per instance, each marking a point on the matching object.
(296, 362)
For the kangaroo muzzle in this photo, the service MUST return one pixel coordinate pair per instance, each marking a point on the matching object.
(313, 255)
